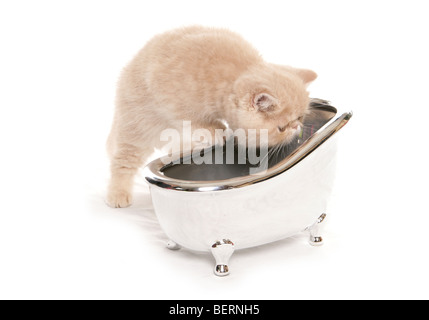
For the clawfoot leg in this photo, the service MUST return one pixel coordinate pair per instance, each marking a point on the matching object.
(315, 232)
(172, 245)
(222, 252)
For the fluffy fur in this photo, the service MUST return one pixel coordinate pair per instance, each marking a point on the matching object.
(208, 76)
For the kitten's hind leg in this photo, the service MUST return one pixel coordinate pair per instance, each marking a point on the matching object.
(125, 162)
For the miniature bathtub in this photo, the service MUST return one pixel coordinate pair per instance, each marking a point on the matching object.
(221, 207)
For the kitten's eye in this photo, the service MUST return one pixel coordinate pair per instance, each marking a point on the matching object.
(301, 118)
(281, 129)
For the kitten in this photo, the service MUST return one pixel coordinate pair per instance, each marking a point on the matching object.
(205, 75)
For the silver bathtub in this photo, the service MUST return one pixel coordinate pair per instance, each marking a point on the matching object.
(220, 208)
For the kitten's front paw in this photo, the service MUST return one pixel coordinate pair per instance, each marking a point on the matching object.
(119, 199)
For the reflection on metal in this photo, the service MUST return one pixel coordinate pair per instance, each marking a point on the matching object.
(319, 126)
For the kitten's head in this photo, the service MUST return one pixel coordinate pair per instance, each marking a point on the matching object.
(272, 97)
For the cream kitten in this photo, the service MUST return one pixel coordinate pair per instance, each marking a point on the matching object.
(205, 75)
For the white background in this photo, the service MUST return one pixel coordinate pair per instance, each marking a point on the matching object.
(59, 63)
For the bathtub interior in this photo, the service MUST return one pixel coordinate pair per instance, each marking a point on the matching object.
(187, 169)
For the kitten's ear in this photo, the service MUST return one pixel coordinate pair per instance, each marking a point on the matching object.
(306, 75)
(264, 102)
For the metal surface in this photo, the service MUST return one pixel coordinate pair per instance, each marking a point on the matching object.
(236, 176)
(251, 210)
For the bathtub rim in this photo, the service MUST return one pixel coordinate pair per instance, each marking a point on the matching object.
(154, 175)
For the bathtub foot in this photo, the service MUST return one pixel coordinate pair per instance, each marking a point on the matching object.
(172, 245)
(222, 251)
(315, 231)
